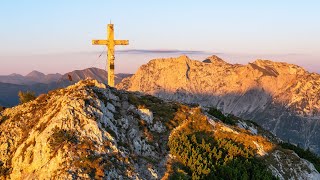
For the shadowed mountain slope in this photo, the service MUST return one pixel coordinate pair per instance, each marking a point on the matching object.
(283, 98)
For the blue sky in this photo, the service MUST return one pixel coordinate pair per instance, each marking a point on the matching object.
(55, 36)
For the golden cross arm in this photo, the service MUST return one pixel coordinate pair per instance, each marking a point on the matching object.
(100, 42)
(121, 42)
(105, 42)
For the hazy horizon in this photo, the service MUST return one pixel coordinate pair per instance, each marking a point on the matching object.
(128, 61)
(56, 36)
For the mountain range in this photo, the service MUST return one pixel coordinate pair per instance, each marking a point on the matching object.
(33, 77)
(91, 131)
(40, 83)
(283, 98)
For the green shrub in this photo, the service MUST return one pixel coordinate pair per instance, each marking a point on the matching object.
(26, 96)
(61, 136)
(179, 172)
(161, 110)
(4, 171)
(3, 118)
(219, 115)
(203, 155)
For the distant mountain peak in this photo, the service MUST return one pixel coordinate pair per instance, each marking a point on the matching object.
(15, 74)
(55, 74)
(183, 58)
(264, 62)
(279, 67)
(35, 74)
(214, 60)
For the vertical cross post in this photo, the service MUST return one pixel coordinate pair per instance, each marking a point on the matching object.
(110, 43)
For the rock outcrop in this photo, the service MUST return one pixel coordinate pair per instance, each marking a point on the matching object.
(283, 98)
(90, 131)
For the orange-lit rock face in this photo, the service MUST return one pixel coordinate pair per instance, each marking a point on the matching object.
(283, 98)
(218, 78)
(110, 43)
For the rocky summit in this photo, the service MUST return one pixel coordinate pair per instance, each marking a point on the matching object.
(90, 131)
(281, 97)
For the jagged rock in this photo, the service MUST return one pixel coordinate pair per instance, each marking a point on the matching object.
(32, 140)
(282, 160)
(158, 127)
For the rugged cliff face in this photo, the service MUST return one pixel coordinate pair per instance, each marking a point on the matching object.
(90, 131)
(283, 98)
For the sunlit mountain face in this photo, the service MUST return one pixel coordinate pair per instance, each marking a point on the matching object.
(283, 98)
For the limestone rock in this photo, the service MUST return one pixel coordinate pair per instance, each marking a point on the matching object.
(78, 133)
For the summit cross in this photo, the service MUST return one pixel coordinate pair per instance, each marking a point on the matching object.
(110, 43)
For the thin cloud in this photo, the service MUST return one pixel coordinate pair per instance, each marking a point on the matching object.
(159, 51)
(152, 51)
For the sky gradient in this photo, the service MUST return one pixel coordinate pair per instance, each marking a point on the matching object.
(55, 36)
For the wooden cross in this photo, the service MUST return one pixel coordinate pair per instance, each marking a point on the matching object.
(110, 43)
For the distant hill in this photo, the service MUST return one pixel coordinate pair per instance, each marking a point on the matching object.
(33, 77)
(39, 77)
(40, 83)
(93, 73)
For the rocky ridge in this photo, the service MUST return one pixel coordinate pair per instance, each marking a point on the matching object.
(90, 131)
(83, 131)
(283, 98)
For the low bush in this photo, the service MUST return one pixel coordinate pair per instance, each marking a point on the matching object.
(219, 115)
(200, 153)
(4, 171)
(161, 110)
(3, 118)
(61, 136)
(26, 96)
